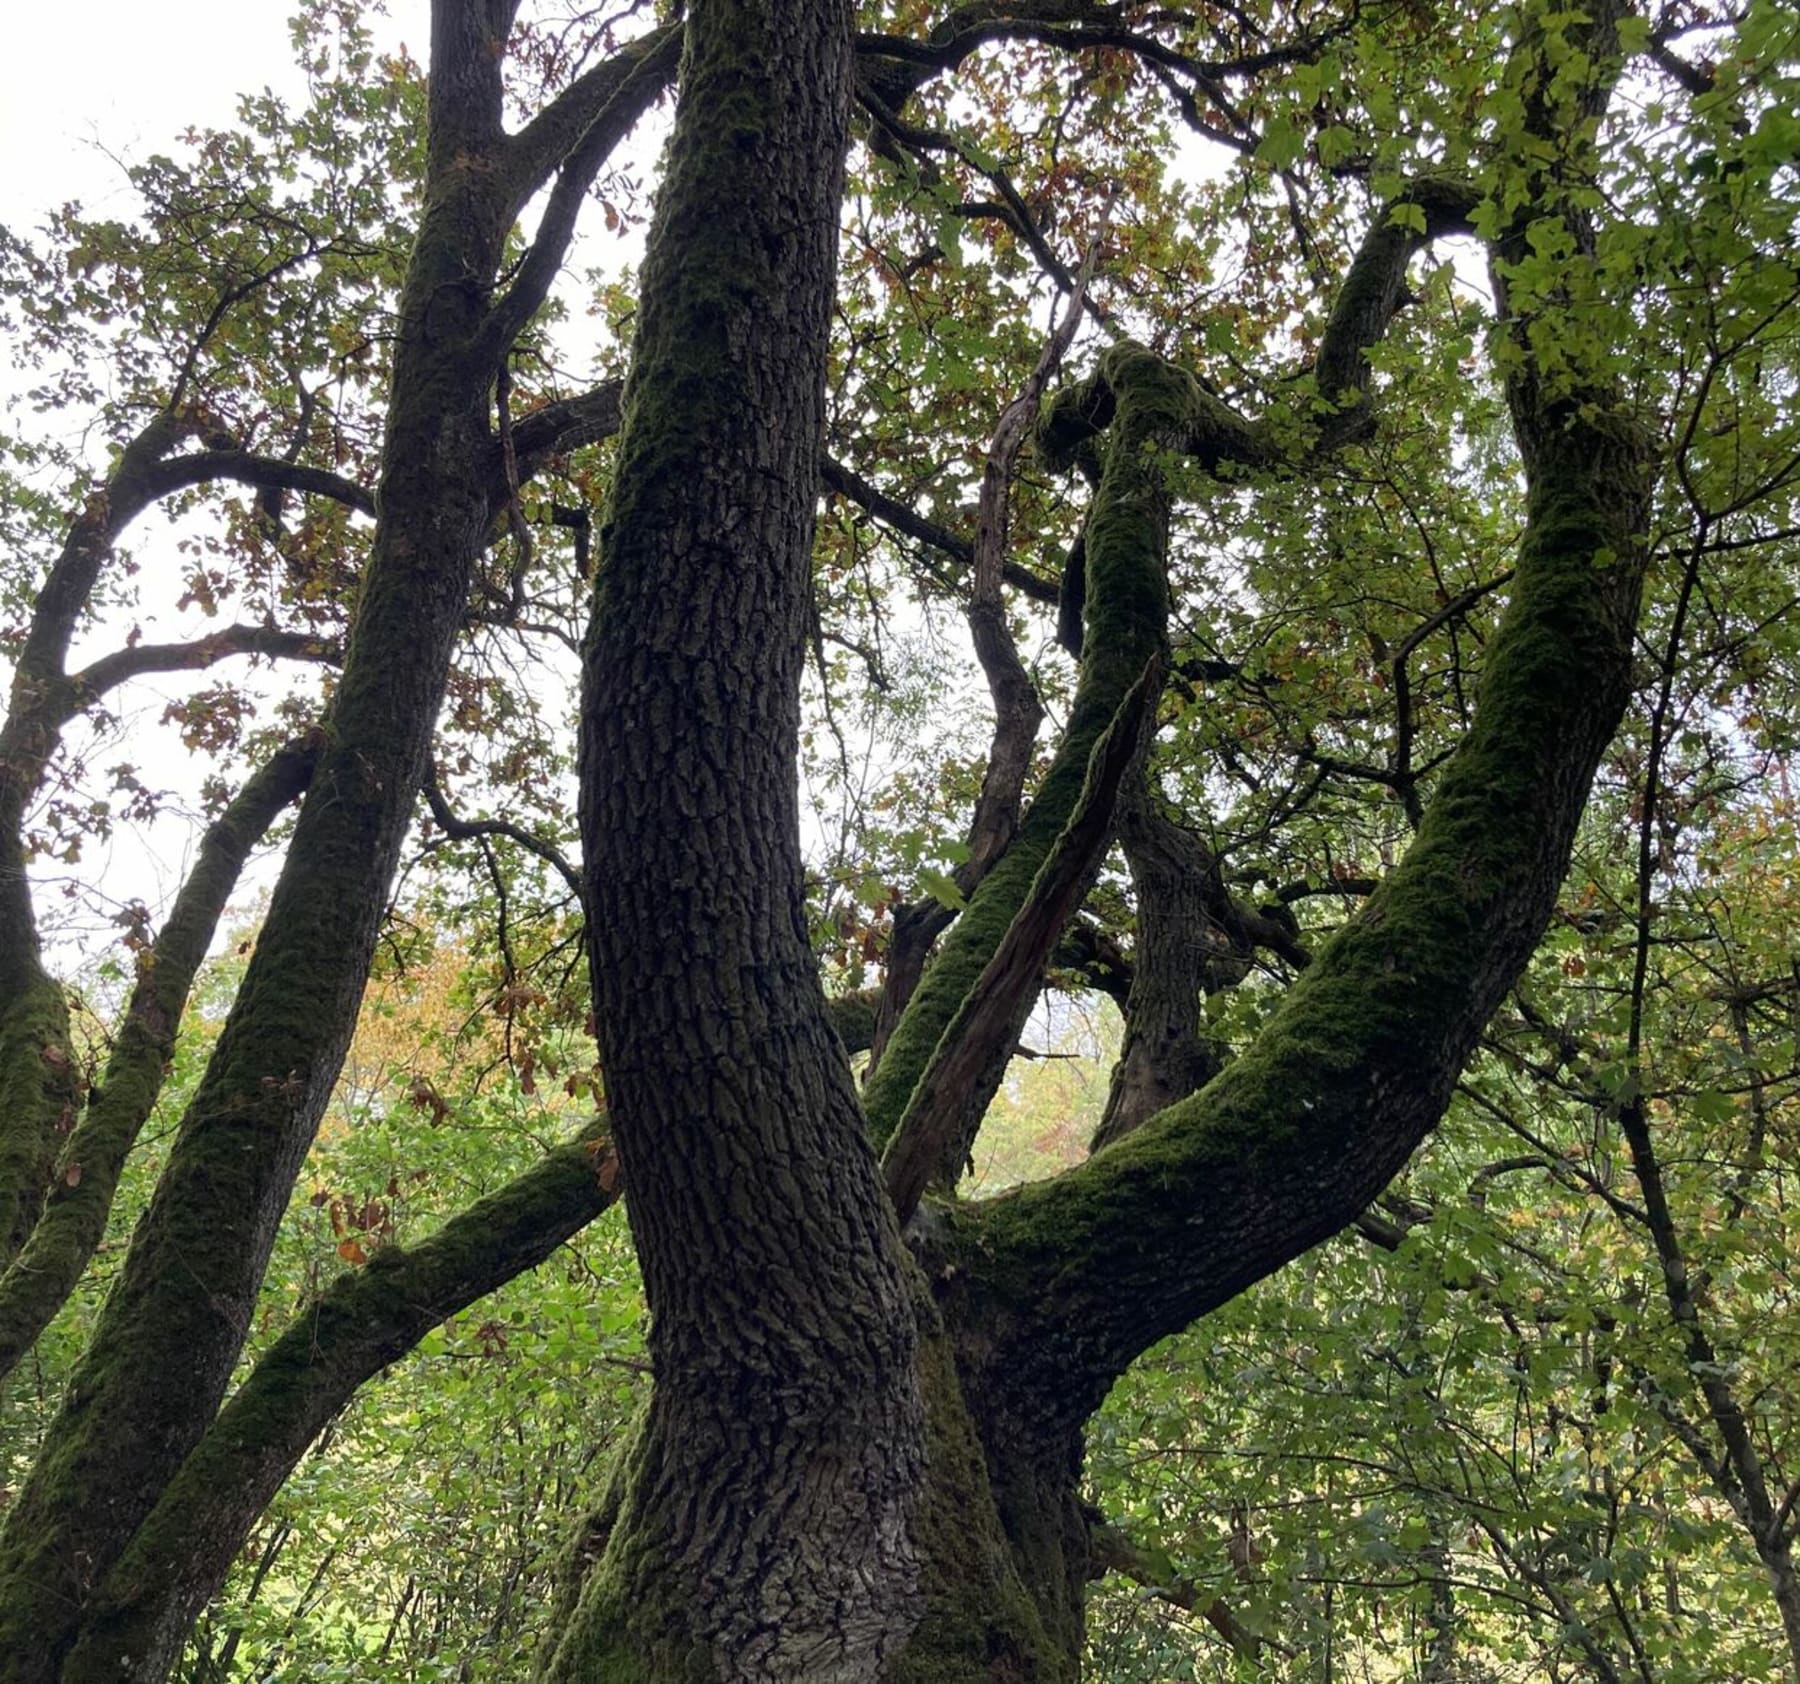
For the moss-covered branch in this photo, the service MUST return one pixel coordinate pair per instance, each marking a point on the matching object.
(1150, 405)
(944, 1114)
(366, 1319)
(40, 1097)
(168, 1339)
(1293, 1140)
(1072, 1279)
(86, 1173)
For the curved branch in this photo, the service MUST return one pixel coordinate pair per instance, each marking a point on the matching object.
(461, 830)
(178, 473)
(619, 91)
(1223, 441)
(540, 149)
(366, 1319)
(1359, 1061)
(944, 1111)
(1078, 1276)
(1127, 609)
(109, 671)
(1018, 711)
(898, 66)
(42, 699)
(1374, 288)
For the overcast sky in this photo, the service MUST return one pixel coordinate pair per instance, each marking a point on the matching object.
(122, 76)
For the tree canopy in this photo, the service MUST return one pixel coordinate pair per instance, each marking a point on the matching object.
(1278, 517)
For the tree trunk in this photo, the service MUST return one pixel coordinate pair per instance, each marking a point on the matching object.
(763, 1523)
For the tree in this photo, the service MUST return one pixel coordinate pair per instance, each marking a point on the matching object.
(862, 1451)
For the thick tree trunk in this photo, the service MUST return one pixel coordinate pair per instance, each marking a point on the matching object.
(763, 1528)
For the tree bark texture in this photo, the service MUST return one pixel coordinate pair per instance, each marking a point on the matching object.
(1163, 1057)
(764, 1524)
(86, 1174)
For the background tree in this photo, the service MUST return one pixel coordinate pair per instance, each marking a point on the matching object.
(1295, 696)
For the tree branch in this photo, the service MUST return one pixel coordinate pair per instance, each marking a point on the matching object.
(947, 1104)
(87, 1170)
(368, 1317)
(1111, 1550)
(464, 830)
(566, 424)
(112, 670)
(1127, 610)
(1017, 710)
(1360, 1058)
(633, 80)
(274, 473)
(550, 139)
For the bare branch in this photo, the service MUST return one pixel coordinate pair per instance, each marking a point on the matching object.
(634, 78)
(468, 830)
(178, 473)
(102, 675)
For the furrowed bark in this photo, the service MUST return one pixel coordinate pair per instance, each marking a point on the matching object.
(132, 1412)
(763, 1528)
(1179, 941)
(86, 1175)
(366, 1319)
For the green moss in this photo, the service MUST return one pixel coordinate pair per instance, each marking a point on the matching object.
(40, 1094)
(1150, 407)
(1357, 1063)
(621, 1621)
(853, 1017)
(981, 1625)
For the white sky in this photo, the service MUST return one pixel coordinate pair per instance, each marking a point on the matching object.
(97, 76)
